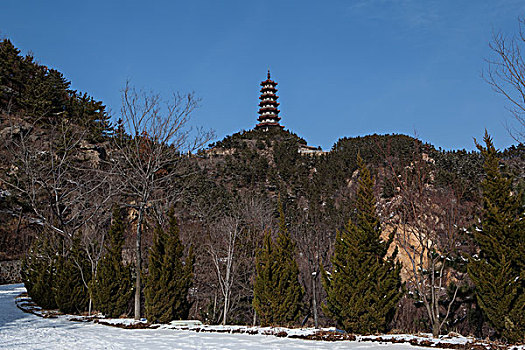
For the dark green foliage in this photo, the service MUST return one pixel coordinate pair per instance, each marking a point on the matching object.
(277, 292)
(499, 270)
(112, 286)
(290, 165)
(374, 149)
(262, 160)
(72, 277)
(265, 281)
(289, 291)
(514, 158)
(238, 139)
(363, 288)
(169, 276)
(44, 95)
(11, 75)
(460, 169)
(38, 270)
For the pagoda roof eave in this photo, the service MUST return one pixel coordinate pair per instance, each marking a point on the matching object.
(264, 96)
(261, 118)
(269, 82)
(260, 125)
(269, 103)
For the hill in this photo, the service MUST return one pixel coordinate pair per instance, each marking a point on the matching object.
(58, 179)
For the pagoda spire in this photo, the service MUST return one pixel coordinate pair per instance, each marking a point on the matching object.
(268, 112)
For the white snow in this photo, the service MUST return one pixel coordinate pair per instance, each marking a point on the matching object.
(19, 330)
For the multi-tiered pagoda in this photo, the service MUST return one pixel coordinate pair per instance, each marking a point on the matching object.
(268, 112)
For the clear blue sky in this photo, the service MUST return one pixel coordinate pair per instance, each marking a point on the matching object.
(344, 68)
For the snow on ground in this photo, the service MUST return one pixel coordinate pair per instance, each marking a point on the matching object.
(19, 330)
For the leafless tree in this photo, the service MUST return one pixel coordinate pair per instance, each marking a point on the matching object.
(506, 74)
(222, 247)
(63, 182)
(150, 159)
(313, 240)
(428, 223)
(50, 173)
(231, 246)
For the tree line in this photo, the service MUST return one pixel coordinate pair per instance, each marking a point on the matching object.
(362, 283)
(383, 232)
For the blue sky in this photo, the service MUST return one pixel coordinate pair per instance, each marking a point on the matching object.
(344, 68)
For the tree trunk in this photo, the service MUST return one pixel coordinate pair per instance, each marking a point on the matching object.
(214, 307)
(314, 299)
(226, 302)
(138, 264)
(435, 329)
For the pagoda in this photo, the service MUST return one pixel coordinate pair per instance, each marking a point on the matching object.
(268, 112)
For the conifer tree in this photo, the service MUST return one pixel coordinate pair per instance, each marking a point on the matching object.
(364, 286)
(499, 270)
(11, 75)
(265, 281)
(112, 286)
(38, 270)
(277, 291)
(170, 276)
(72, 277)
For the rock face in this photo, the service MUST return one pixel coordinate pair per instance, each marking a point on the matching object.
(92, 153)
(10, 272)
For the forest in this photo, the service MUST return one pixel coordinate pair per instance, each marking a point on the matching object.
(133, 214)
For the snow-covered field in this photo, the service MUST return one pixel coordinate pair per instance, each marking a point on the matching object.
(19, 330)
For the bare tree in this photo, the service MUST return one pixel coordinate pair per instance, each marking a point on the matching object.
(313, 240)
(64, 185)
(222, 247)
(428, 223)
(150, 160)
(506, 74)
(231, 245)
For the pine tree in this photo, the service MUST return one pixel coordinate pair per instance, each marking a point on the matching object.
(265, 281)
(38, 271)
(112, 286)
(11, 76)
(499, 270)
(169, 276)
(73, 274)
(277, 291)
(88, 112)
(364, 286)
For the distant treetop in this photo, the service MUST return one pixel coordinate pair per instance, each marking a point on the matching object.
(31, 90)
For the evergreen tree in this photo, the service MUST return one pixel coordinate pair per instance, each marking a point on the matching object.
(73, 274)
(499, 270)
(169, 276)
(112, 286)
(11, 76)
(38, 270)
(90, 113)
(44, 95)
(264, 301)
(364, 286)
(277, 291)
